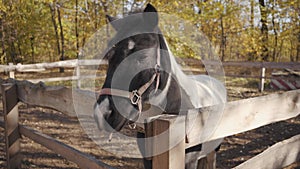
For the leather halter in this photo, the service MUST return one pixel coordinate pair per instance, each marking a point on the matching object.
(135, 96)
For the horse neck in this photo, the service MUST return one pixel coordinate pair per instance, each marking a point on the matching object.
(195, 91)
(185, 85)
(178, 93)
(171, 96)
(186, 92)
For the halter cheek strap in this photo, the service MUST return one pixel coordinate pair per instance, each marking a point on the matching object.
(135, 96)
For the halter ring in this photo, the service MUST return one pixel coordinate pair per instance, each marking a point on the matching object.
(135, 97)
(157, 68)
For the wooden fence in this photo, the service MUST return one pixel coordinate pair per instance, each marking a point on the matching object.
(40, 67)
(78, 64)
(238, 116)
(246, 114)
(13, 131)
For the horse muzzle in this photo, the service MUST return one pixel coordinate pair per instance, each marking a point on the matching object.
(110, 119)
(101, 113)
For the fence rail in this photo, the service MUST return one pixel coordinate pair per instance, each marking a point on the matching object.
(247, 113)
(43, 66)
(279, 155)
(92, 62)
(267, 65)
(77, 64)
(40, 67)
(81, 159)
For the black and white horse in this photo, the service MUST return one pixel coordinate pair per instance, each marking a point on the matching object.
(142, 71)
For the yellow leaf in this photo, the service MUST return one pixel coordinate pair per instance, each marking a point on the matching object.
(176, 3)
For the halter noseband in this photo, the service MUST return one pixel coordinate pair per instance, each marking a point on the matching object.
(135, 96)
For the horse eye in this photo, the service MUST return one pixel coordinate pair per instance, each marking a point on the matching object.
(131, 44)
(109, 54)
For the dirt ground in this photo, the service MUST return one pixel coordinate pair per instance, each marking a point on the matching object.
(234, 150)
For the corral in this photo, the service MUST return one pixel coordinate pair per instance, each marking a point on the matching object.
(281, 107)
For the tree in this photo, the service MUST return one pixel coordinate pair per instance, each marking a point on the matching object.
(53, 10)
(275, 27)
(264, 30)
(62, 37)
(76, 28)
(51, 30)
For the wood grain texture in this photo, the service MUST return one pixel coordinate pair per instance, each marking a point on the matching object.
(11, 125)
(279, 155)
(168, 142)
(245, 115)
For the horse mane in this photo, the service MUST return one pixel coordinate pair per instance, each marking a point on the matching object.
(202, 90)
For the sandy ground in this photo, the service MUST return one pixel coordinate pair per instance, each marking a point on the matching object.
(234, 150)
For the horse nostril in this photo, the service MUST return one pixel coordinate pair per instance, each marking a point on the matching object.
(101, 114)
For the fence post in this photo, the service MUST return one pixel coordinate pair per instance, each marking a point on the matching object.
(262, 79)
(11, 72)
(208, 162)
(78, 74)
(11, 125)
(172, 141)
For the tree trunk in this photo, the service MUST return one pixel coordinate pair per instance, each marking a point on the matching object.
(292, 58)
(32, 49)
(105, 9)
(3, 54)
(53, 13)
(279, 55)
(252, 14)
(96, 12)
(20, 49)
(264, 30)
(62, 38)
(275, 34)
(76, 30)
(11, 41)
(298, 48)
(253, 54)
(223, 41)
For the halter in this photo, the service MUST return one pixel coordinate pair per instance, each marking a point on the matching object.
(135, 96)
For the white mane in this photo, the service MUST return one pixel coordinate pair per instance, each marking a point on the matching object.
(202, 90)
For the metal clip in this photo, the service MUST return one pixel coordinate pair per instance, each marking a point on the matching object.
(135, 97)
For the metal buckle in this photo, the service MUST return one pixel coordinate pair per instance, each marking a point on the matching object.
(157, 68)
(135, 97)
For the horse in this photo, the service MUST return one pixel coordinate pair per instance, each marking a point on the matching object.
(143, 71)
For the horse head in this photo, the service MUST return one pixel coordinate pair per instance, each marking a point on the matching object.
(135, 61)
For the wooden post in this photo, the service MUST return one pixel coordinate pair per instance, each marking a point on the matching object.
(168, 146)
(262, 79)
(11, 72)
(208, 162)
(11, 125)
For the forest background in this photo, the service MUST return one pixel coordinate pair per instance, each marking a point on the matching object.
(33, 31)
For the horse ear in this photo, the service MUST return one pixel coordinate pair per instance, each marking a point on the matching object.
(152, 18)
(111, 20)
(150, 8)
